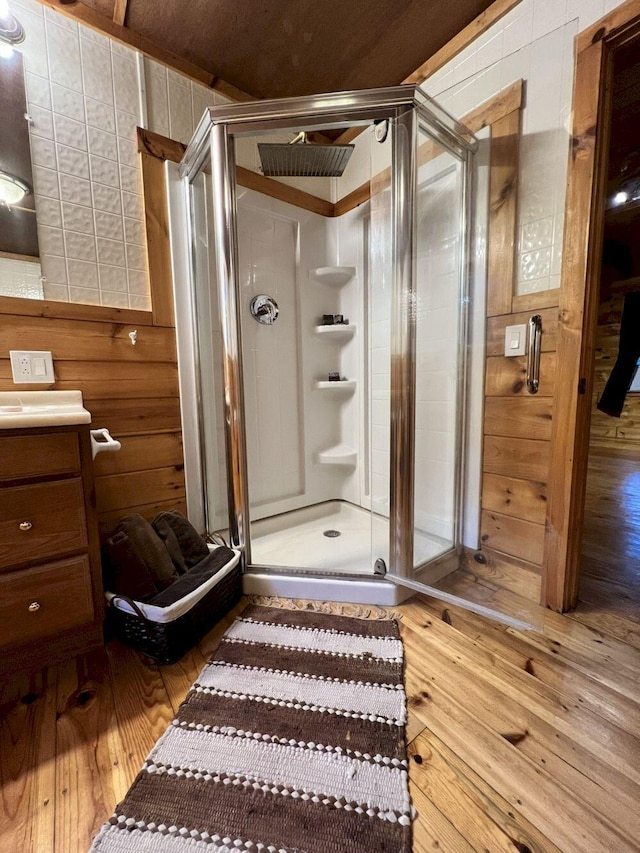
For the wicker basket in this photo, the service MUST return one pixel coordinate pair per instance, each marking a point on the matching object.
(166, 634)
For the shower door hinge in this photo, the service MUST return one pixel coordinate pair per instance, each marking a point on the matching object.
(380, 567)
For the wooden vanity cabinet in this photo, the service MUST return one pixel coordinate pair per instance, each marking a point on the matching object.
(51, 597)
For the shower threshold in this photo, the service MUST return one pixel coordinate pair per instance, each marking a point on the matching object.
(292, 557)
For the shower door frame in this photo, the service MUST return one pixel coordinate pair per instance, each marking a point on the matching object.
(404, 106)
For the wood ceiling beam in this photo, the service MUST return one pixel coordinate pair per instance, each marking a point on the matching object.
(103, 24)
(120, 12)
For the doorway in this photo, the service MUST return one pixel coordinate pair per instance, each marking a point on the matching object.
(610, 571)
(597, 278)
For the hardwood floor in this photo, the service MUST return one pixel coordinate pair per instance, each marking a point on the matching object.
(519, 741)
(610, 576)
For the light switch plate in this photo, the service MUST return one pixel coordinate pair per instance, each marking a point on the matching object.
(35, 367)
(515, 340)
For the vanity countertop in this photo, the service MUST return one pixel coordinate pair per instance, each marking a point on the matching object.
(23, 409)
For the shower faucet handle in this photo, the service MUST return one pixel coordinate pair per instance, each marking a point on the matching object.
(264, 309)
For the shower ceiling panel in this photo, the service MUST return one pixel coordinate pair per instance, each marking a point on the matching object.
(280, 48)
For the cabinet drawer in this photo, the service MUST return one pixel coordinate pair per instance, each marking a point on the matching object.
(41, 521)
(45, 600)
(39, 455)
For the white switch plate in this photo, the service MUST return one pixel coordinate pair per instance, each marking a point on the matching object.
(515, 340)
(31, 367)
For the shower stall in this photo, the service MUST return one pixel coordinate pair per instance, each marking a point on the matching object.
(329, 264)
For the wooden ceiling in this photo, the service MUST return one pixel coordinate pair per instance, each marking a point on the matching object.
(279, 48)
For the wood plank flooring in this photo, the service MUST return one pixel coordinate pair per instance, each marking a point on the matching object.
(519, 741)
(609, 591)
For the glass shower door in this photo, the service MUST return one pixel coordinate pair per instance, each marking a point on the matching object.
(430, 352)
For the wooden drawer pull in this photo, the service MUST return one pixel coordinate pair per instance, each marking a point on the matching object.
(25, 525)
(34, 606)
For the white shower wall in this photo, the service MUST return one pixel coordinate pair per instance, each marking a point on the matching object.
(289, 421)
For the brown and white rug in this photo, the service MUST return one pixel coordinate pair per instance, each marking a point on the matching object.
(292, 740)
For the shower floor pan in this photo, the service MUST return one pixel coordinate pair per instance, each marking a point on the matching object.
(298, 540)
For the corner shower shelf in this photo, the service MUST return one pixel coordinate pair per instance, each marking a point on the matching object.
(339, 330)
(341, 454)
(341, 385)
(335, 276)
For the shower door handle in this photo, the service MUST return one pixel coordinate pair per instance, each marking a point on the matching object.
(534, 342)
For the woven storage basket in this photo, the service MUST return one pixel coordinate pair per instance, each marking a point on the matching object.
(183, 624)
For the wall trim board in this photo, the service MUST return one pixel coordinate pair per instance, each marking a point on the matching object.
(484, 21)
(503, 209)
(156, 217)
(108, 26)
(536, 301)
(162, 148)
(507, 102)
(73, 311)
(618, 24)
(274, 189)
(487, 114)
(461, 40)
(120, 12)
(583, 234)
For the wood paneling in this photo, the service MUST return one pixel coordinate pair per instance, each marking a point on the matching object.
(122, 491)
(108, 520)
(81, 340)
(517, 425)
(156, 217)
(523, 458)
(114, 380)
(524, 499)
(523, 539)
(497, 325)
(506, 377)
(503, 199)
(518, 417)
(142, 452)
(131, 390)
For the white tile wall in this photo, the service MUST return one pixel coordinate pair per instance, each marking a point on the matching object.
(20, 278)
(267, 245)
(82, 95)
(534, 41)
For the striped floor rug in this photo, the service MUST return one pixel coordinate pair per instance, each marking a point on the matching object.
(292, 740)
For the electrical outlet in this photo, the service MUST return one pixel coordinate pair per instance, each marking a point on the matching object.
(31, 367)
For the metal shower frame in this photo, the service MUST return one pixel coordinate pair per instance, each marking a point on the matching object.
(409, 109)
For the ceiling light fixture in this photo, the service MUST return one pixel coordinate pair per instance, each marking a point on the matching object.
(12, 189)
(11, 30)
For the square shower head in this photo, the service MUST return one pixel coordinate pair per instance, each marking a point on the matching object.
(303, 160)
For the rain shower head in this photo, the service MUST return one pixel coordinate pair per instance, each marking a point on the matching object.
(302, 159)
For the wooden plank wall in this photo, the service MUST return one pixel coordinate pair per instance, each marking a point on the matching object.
(131, 390)
(517, 425)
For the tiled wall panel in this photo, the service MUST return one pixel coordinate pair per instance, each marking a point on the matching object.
(534, 41)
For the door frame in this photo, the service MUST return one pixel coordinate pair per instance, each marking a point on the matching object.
(579, 292)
